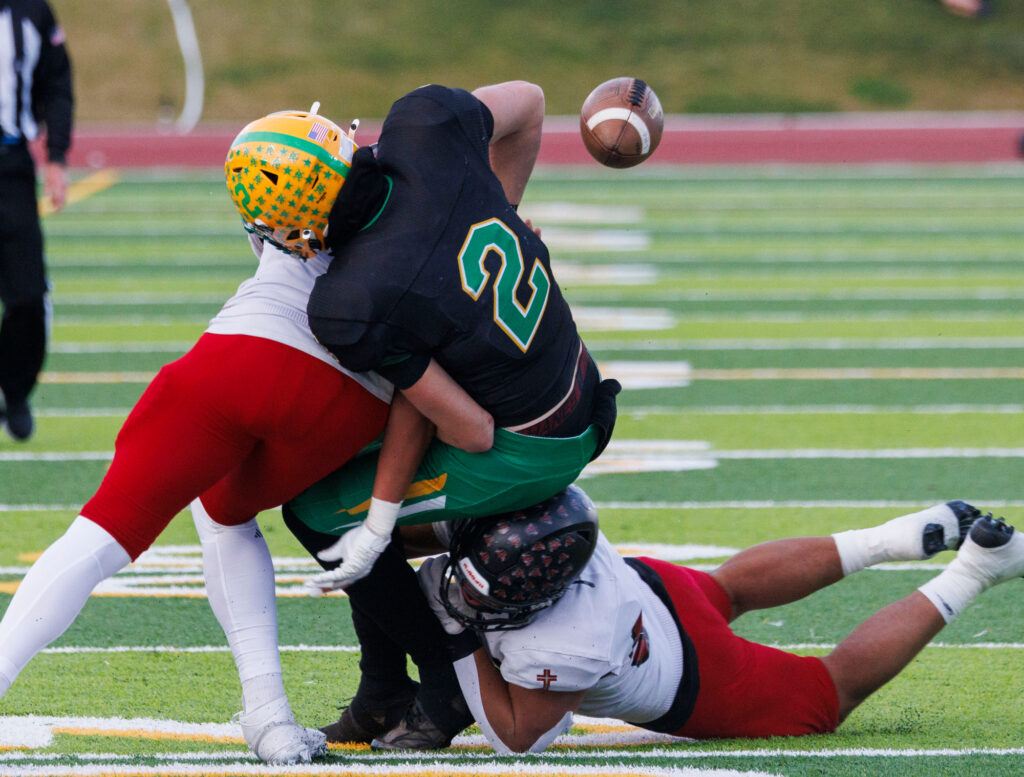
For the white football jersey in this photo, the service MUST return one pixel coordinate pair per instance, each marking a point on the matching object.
(272, 305)
(609, 635)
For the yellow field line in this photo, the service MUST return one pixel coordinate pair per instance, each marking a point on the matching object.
(96, 377)
(135, 733)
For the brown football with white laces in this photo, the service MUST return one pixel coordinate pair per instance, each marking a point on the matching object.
(621, 122)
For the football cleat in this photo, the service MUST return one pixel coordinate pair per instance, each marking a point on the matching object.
(274, 736)
(993, 552)
(284, 172)
(17, 419)
(918, 536)
(362, 721)
(936, 537)
(415, 732)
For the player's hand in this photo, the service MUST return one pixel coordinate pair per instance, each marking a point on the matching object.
(55, 184)
(358, 549)
(529, 225)
(431, 571)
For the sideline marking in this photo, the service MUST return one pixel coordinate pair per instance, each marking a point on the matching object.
(632, 456)
(656, 374)
(79, 190)
(744, 504)
(302, 649)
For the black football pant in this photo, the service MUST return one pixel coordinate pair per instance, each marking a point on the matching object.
(392, 619)
(23, 282)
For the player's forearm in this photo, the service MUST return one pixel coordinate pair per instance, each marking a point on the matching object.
(458, 419)
(518, 111)
(406, 437)
(521, 721)
(495, 699)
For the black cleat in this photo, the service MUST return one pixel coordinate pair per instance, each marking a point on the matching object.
(361, 721)
(989, 532)
(17, 418)
(933, 538)
(418, 732)
(993, 552)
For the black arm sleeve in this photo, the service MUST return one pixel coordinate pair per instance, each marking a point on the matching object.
(52, 97)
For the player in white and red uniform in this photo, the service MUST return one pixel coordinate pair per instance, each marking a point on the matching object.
(254, 413)
(541, 631)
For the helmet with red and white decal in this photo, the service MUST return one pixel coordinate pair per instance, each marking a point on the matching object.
(509, 567)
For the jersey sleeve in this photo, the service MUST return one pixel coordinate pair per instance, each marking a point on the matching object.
(52, 96)
(551, 670)
(351, 320)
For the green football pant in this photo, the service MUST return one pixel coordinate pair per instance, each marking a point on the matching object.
(518, 471)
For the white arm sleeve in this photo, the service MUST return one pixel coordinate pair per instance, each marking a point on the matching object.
(469, 681)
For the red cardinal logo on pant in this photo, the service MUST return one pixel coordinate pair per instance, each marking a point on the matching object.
(641, 649)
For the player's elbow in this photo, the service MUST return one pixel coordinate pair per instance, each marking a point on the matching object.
(532, 101)
(532, 97)
(479, 438)
(472, 435)
(522, 739)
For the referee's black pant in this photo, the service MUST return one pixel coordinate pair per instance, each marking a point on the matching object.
(23, 283)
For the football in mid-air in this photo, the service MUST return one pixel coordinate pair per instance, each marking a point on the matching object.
(621, 122)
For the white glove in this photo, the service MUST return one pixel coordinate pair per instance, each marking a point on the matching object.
(360, 548)
(429, 577)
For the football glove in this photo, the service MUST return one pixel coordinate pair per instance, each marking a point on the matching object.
(358, 548)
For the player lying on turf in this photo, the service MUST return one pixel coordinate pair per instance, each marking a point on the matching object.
(542, 631)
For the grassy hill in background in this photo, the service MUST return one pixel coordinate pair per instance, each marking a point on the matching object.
(701, 56)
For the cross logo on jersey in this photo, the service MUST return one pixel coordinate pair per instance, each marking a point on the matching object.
(641, 649)
(547, 678)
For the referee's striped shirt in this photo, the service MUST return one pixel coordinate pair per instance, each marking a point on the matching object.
(35, 77)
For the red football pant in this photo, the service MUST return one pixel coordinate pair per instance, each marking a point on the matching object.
(746, 689)
(244, 422)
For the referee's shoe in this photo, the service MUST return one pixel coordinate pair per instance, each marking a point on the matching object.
(16, 417)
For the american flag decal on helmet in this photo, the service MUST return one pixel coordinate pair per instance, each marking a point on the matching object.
(318, 132)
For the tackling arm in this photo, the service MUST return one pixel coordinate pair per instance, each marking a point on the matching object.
(518, 111)
(513, 719)
(460, 421)
(433, 399)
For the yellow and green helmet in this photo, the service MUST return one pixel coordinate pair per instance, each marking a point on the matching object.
(284, 172)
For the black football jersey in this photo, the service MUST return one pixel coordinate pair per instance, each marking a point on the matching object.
(448, 270)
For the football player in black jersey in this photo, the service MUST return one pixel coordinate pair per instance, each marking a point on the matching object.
(436, 279)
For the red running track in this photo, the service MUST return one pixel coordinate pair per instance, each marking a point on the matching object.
(804, 139)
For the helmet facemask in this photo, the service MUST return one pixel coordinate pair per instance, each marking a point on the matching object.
(510, 567)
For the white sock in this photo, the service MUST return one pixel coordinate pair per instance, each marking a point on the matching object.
(54, 591)
(239, 577)
(897, 540)
(951, 591)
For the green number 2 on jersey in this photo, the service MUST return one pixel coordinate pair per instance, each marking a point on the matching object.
(518, 322)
